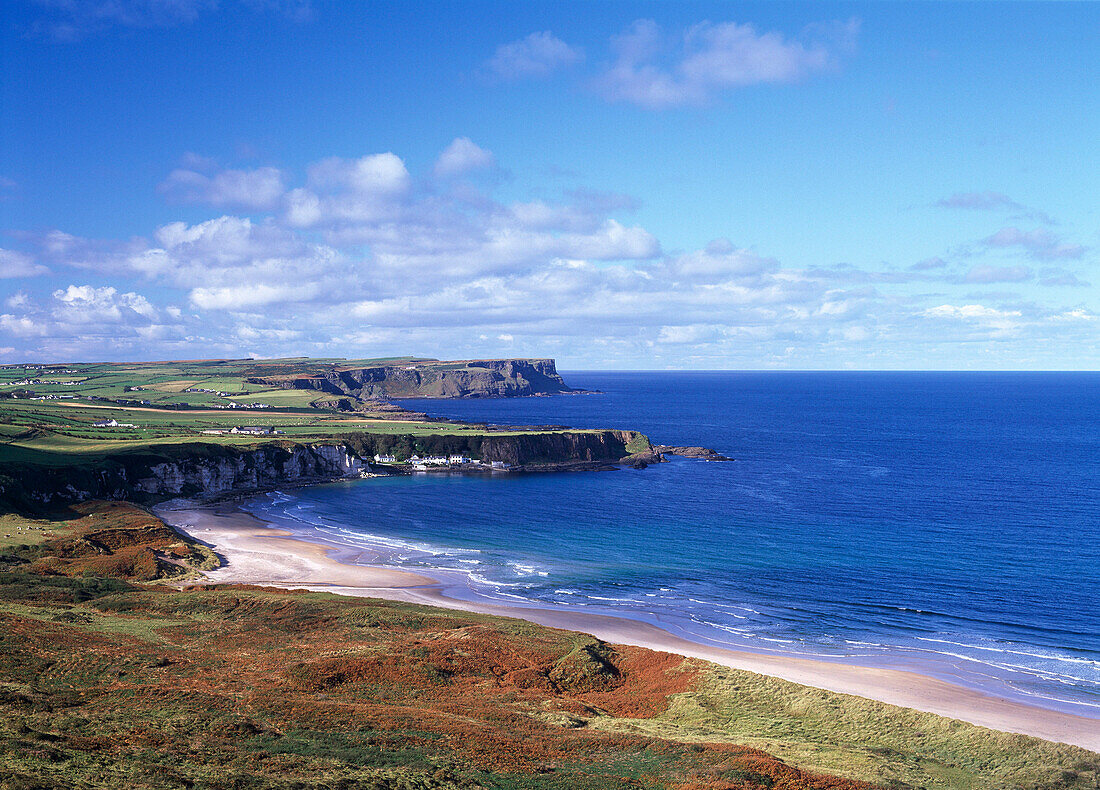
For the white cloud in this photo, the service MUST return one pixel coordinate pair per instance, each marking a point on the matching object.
(537, 55)
(1079, 314)
(460, 157)
(721, 261)
(712, 58)
(251, 295)
(20, 326)
(369, 189)
(972, 312)
(250, 189)
(690, 334)
(377, 262)
(376, 174)
(86, 303)
(17, 264)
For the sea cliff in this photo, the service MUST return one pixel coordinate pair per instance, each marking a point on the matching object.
(198, 469)
(486, 378)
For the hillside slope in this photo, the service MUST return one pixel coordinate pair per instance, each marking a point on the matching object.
(108, 682)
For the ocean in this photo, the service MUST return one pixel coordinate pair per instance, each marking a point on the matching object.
(947, 523)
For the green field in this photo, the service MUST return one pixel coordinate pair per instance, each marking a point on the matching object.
(162, 384)
(48, 413)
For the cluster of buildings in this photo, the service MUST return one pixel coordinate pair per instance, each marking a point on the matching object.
(40, 368)
(231, 404)
(204, 389)
(248, 430)
(455, 459)
(112, 424)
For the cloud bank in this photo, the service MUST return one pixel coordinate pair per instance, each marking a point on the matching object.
(362, 257)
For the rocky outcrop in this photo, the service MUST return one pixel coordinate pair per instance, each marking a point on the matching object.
(487, 378)
(705, 453)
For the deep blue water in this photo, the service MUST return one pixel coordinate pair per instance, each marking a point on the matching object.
(943, 521)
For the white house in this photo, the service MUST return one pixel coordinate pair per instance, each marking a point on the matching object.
(254, 430)
(500, 465)
(436, 460)
(385, 459)
(113, 424)
(459, 458)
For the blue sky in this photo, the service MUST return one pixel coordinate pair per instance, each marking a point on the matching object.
(618, 185)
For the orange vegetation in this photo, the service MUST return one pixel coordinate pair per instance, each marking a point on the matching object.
(285, 687)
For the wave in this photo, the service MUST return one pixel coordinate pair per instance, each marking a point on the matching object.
(1048, 656)
(711, 609)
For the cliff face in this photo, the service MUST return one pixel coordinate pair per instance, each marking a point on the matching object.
(530, 451)
(492, 378)
(189, 470)
(555, 448)
(200, 469)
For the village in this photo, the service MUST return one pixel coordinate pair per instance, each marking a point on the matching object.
(437, 462)
(415, 463)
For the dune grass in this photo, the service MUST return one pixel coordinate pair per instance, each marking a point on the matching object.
(861, 738)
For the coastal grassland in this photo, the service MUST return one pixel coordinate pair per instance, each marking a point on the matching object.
(163, 384)
(61, 434)
(149, 413)
(19, 530)
(178, 385)
(19, 419)
(110, 681)
(854, 736)
(106, 682)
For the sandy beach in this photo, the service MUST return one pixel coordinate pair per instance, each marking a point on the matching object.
(257, 553)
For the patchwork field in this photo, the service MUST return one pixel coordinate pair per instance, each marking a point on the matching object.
(49, 414)
(182, 385)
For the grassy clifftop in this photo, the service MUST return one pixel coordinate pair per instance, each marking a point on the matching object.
(110, 681)
(74, 431)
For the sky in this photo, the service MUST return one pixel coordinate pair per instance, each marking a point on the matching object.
(617, 185)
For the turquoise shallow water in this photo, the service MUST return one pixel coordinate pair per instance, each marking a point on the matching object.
(946, 522)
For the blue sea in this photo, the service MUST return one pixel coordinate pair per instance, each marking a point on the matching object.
(942, 522)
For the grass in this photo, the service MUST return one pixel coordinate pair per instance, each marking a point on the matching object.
(860, 738)
(89, 620)
(156, 414)
(111, 682)
(19, 530)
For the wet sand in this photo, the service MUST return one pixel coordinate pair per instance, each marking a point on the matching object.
(257, 553)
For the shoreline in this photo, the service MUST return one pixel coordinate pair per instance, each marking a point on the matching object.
(259, 553)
